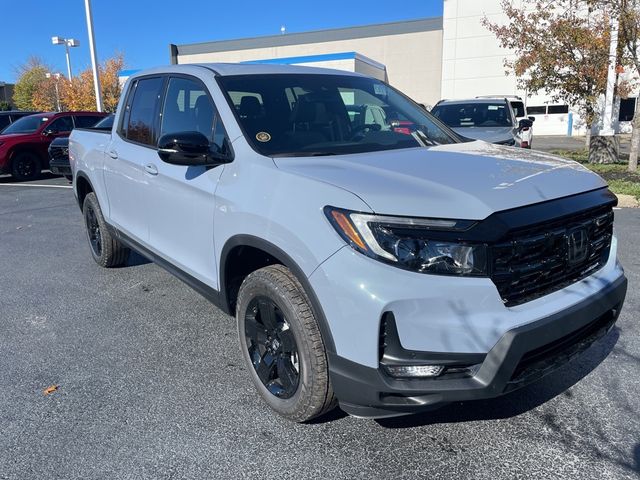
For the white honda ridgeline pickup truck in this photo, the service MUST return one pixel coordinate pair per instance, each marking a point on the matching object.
(371, 257)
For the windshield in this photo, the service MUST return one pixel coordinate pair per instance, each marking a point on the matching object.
(473, 114)
(25, 125)
(316, 114)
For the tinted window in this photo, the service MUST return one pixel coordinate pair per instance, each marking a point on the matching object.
(558, 109)
(26, 125)
(627, 108)
(105, 124)
(62, 124)
(86, 121)
(187, 108)
(518, 108)
(475, 114)
(538, 110)
(4, 121)
(142, 114)
(311, 114)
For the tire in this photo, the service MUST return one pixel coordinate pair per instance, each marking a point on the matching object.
(26, 166)
(106, 250)
(272, 363)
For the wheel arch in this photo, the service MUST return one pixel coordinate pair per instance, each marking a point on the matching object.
(234, 269)
(82, 187)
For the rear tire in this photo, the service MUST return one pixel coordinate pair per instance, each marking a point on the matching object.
(106, 250)
(282, 345)
(26, 166)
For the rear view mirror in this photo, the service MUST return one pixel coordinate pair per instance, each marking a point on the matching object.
(191, 149)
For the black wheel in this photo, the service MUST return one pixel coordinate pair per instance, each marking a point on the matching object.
(26, 166)
(282, 345)
(106, 250)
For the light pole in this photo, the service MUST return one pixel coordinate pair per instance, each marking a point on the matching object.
(67, 42)
(57, 77)
(94, 55)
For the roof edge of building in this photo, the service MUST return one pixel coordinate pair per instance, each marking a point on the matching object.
(315, 36)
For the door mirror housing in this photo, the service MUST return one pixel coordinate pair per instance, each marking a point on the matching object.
(525, 123)
(190, 149)
(533, 119)
(47, 132)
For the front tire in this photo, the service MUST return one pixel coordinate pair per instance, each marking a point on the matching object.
(282, 345)
(26, 166)
(106, 250)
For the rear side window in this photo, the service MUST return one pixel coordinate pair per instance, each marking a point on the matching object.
(62, 124)
(188, 108)
(140, 126)
(86, 121)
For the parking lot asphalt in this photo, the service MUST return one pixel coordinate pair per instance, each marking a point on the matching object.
(151, 383)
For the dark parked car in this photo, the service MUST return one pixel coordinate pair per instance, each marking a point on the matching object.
(59, 150)
(24, 143)
(8, 117)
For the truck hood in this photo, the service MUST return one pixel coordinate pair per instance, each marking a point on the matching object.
(488, 134)
(465, 180)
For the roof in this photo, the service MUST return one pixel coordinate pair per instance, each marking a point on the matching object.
(316, 36)
(228, 69)
(323, 57)
(470, 100)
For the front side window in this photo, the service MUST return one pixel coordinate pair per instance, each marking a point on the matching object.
(142, 112)
(474, 114)
(61, 125)
(86, 121)
(188, 108)
(518, 108)
(315, 114)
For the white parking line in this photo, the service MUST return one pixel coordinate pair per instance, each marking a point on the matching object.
(33, 185)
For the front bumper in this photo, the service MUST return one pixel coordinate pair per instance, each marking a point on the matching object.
(60, 167)
(521, 356)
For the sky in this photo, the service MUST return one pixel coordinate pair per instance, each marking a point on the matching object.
(143, 29)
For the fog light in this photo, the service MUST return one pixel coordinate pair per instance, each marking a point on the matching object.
(414, 370)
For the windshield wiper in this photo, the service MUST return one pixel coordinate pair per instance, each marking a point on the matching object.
(303, 154)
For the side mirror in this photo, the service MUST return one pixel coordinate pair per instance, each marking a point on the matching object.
(47, 132)
(190, 149)
(533, 119)
(525, 123)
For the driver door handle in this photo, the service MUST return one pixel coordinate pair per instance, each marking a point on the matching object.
(151, 169)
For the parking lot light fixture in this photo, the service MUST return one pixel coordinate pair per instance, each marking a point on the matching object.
(67, 42)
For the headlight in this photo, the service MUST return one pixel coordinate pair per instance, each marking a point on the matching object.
(416, 244)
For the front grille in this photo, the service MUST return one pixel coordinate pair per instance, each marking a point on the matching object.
(539, 260)
(59, 153)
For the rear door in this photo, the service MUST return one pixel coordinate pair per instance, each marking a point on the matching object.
(182, 198)
(131, 149)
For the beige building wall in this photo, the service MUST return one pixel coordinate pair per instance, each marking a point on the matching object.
(413, 60)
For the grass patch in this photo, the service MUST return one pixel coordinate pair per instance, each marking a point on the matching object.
(619, 179)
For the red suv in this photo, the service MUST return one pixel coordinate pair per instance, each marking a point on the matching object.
(24, 143)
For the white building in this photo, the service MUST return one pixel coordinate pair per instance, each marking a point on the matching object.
(452, 57)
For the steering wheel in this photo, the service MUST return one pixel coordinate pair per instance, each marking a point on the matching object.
(361, 130)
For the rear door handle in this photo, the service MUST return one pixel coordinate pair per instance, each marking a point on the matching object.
(151, 169)
(112, 154)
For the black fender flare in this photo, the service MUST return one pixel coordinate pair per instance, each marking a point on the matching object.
(84, 176)
(276, 252)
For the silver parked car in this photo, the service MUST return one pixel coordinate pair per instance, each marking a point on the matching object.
(490, 119)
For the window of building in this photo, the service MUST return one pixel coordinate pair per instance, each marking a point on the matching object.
(556, 109)
(627, 109)
(142, 114)
(537, 110)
